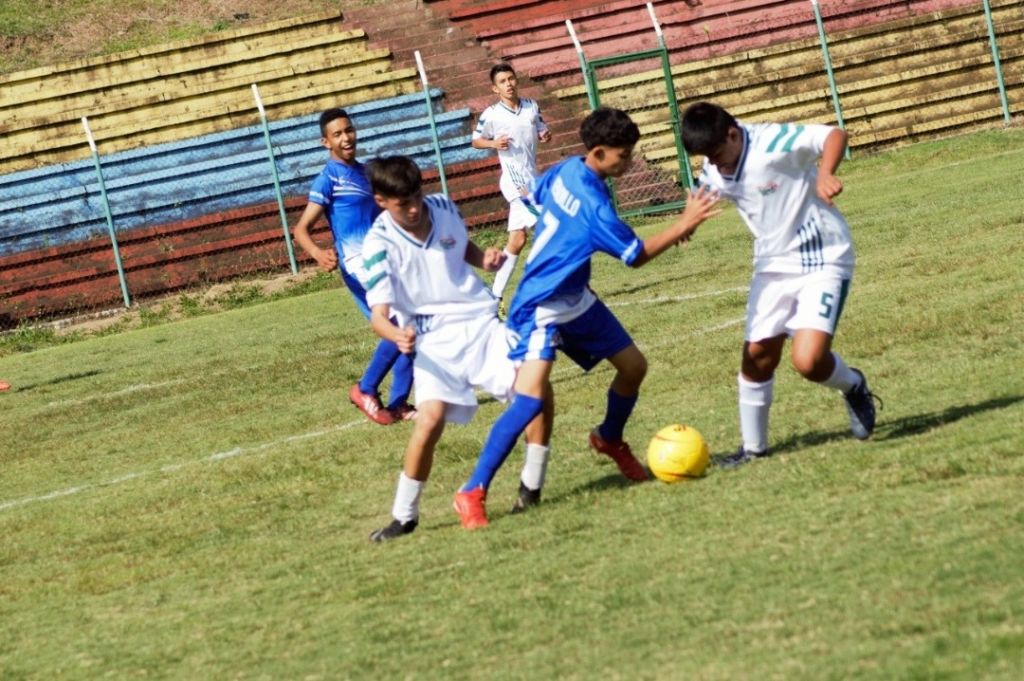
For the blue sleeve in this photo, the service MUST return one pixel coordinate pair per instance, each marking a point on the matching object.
(611, 235)
(320, 192)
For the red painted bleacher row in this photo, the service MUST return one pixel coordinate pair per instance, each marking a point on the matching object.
(533, 35)
(457, 63)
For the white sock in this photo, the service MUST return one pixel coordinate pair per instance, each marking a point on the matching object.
(536, 465)
(843, 378)
(755, 404)
(504, 274)
(407, 499)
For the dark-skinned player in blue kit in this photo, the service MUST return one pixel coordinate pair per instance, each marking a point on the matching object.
(342, 193)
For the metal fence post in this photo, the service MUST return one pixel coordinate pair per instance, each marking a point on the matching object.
(685, 169)
(995, 60)
(277, 180)
(433, 123)
(106, 210)
(587, 81)
(828, 69)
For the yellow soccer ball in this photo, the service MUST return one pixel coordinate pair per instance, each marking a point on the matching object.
(677, 453)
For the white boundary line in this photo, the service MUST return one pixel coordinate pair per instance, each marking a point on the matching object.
(255, 449)
(677, 299)
(169, 468)
(117, 393)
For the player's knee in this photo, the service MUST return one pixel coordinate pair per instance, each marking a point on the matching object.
(812, 366)
(758, 367)
(430, 418)
(760, 360)
(635, 370)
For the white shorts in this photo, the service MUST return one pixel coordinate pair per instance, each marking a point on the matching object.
(519, 216)
(783, 303)
(455, 358)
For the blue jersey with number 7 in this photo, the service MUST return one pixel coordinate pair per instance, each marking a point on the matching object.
(577, 219)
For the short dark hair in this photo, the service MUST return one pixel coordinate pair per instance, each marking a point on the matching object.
(705, 127)
(609, 127)
(328, 116)
(501, 68)
(394, 177)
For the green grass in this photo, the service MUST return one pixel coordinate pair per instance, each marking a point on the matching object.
(192, 499)
(35, 33)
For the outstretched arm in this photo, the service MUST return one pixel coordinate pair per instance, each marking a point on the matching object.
(700, 206)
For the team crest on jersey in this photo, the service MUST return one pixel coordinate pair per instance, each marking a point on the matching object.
(447, 242)
(769, 188)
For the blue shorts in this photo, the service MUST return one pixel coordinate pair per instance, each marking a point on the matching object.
(594, 335)
(357, 290)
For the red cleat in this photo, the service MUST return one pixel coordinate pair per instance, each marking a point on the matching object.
(470, 507)
(4, 386)
(403, 412)
(370, 405)
(621, 454)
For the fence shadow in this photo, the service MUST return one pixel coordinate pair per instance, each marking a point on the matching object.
(59, 379)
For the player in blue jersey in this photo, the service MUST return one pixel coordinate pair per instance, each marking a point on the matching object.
(803, 258)
(555, 308)
(342, 193)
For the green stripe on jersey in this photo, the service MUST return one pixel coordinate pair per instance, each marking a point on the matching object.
(374, 259)
(373, 281)
(788, 146)
(782, 133)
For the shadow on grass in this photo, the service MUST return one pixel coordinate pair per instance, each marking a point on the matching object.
(59, 379)
(660, 284)
(905, 427)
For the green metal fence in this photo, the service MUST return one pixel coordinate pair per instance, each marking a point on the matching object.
(657, 182)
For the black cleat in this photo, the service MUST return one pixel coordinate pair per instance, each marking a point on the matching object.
(394, 530)
(860, 405)
(739, 457)
(527, 498)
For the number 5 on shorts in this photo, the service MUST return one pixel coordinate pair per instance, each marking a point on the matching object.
(826, 305)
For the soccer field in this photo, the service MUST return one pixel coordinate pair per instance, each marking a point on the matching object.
(192, 500)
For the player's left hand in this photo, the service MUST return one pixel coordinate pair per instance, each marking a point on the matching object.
(544, 136)
(829, 186)
(494, 258)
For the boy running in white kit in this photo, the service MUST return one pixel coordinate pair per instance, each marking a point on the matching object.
(803, 258)
(512, 126)
(417, 263)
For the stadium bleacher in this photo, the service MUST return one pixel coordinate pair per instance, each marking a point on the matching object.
(186, 165)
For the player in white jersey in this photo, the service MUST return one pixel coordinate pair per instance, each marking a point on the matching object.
(803, 258)
(418, 268)
(512, 125)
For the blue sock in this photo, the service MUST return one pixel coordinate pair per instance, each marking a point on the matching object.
(504, 433)
(401, 381)
(383, 359)
(619, 409)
